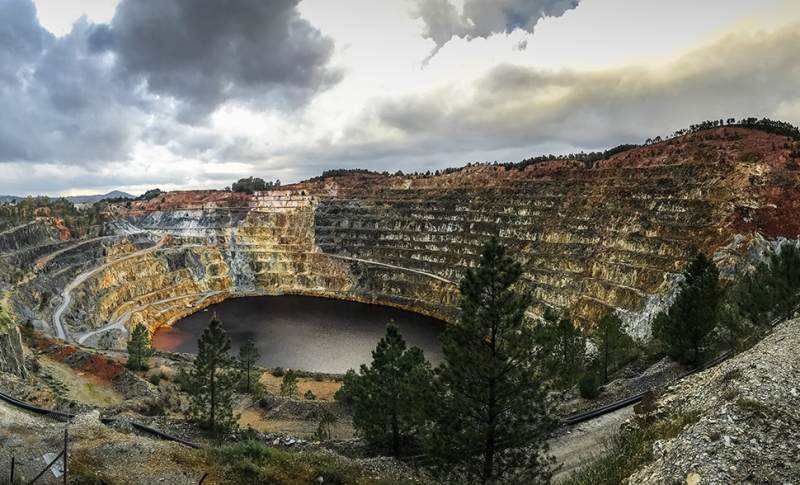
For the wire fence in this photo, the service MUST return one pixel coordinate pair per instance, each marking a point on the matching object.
(34, 450)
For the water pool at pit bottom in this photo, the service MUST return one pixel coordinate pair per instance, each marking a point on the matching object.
(304, 332)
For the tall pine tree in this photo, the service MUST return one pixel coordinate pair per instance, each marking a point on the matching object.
(563, 348)
(612, 343)
(785, 268)
(140, 348)
(686, 328)
(248, 356)
(389, 395)
(212, 402)
(493, 419)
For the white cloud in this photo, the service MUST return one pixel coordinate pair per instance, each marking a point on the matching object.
(57, 16)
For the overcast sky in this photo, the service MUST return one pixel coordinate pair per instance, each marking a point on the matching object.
(98, 95)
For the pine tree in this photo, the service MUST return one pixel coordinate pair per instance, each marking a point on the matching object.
(388, 396)
(248, 356)
(212, 402)
(563, 348)
(289, 384)
(493, 420)
(785, 268)
(612, 343)
(686, 329)
(140, 348)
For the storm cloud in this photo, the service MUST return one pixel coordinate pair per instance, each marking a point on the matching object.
(206, 52)
(90, 96)
(482, 18)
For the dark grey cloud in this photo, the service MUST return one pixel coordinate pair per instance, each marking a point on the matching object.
(206, 52)
(56, 98)
(89, 97)
(482, 18)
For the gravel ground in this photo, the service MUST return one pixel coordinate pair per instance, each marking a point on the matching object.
(749, 430)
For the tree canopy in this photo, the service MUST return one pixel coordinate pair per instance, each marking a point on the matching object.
(493, 420)
(686, 328)
(140, 348)
(389, 395)
(212, 401)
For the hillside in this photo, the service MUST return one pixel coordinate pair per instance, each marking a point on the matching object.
(607, 238)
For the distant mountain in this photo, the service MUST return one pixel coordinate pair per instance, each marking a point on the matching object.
(76, 199)
(90, 199)
(9, 198)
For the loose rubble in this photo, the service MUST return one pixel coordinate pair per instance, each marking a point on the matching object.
(749, 430)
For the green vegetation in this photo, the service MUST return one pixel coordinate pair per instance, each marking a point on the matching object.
(564, 348)
(250, 185)
(589, 384)
(248, 356)
(28, 209)
(289, 384)
(614, 346)
(705, 318)
(324, 431)
(27, 328)
(686, 328)
(492, 420)
(252, 462)
(388, 395)
(343, 172)
(770, 292)
(587, 158)
(140, 348)
(212, 400)
(5, 320)
(631, 452)
(309, 396)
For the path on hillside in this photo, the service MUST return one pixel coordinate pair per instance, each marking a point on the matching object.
(65, 294)
(582, 444)
(120, 323)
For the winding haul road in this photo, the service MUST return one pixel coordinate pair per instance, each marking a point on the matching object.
(120, 323)
(66, 299)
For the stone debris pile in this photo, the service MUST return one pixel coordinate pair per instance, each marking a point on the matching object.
(749, 430)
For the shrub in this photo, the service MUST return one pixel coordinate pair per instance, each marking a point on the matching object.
(27, 328)
(325, 429)
(184, 381)
(277, 372)
(309, 396)
(155, 379)
(289, 384)
(589, 385)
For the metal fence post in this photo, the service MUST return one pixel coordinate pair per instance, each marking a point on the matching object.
(66, 430)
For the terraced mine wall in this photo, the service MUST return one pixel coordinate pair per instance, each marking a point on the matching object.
(612, 236)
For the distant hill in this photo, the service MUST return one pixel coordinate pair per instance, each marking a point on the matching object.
(9, 198)
(76, 199)
(89, 199)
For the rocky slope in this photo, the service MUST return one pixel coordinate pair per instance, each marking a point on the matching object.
(749, 430)
(610, 237)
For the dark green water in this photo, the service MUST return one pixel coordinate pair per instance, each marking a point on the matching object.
(302, 332)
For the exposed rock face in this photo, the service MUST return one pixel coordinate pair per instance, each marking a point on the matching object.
(11, 357)
(750, 426)
(612, 237)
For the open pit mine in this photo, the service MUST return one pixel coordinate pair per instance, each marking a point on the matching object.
(612, 236)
